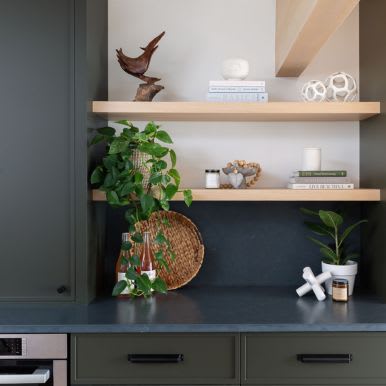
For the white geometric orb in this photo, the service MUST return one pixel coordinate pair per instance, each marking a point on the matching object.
(341, 87)
(314, 91)
(235, 69)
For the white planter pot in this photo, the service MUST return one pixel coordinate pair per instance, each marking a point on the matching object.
(347, 272)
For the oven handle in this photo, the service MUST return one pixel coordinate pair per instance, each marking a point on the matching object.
(38, 376)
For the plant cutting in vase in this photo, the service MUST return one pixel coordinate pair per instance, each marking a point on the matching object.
(143, 185)
(335, 255)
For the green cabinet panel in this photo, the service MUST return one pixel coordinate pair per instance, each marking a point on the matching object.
(271, 359)
(103, 359)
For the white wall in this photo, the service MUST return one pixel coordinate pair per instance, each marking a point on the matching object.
(199, 35)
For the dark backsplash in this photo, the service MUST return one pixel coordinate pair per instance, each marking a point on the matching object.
(246, 243)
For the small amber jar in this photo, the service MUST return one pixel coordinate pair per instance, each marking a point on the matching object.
(340, 290)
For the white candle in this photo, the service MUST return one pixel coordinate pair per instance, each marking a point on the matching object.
(312, 158)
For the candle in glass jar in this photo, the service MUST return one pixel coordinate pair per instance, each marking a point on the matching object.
(312, 158)
(212, 178)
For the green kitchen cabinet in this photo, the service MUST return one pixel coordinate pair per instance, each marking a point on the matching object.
(158, 359)
(313, 359)
(52, 63)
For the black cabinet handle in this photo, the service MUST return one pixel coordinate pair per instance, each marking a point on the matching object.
(324, 358)
(61, 289)
(155, 358)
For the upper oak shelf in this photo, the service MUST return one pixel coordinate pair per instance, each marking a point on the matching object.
(237, 112)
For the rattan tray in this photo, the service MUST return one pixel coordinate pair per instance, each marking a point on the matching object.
(186, 242)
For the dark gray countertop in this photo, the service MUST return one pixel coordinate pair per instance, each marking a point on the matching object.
(199, 310)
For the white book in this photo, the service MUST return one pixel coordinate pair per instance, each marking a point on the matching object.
(237, 97)
(321, 186)
(236, 89)
(237, 83)
(320, 180)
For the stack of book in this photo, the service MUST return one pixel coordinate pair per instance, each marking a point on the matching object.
(237, 91)
(320, 179)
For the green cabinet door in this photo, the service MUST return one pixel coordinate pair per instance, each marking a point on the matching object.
(36, 160)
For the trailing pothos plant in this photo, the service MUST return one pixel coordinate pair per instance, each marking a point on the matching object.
(329, 225)
(142, 190)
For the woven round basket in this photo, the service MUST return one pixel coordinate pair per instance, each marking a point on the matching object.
(186, 243)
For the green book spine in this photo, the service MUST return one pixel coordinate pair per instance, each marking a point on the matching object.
(321, 173)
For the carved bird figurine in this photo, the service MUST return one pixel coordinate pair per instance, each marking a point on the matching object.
(138, 66)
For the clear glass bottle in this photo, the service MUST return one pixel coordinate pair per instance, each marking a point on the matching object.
(147, 258)
(122, 266)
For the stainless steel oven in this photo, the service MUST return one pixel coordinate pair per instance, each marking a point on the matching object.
(35, 359)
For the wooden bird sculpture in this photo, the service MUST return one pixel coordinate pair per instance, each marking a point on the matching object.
(138, 66)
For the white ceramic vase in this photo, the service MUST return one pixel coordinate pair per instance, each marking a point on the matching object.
(347, 272)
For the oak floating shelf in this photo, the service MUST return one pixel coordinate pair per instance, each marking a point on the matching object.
(302, 28)
(229, 111)
(272, 195)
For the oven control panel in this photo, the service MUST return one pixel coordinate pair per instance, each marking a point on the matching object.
(14, 347)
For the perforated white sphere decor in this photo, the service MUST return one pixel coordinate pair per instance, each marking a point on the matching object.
(314, 91)
(341, 87)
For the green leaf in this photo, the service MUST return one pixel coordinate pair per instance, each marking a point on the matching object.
(164, 205)
(135, 261)
(159, 151)
(349, 229)
(109, 181)
(160, 238)
(170, 191)
(351, 256)
(163, 136)
(98, 138)
(147, 203)
(319, 229)
(164, 264)
(110, 161)
(161, 164)
(97, 175)
(107, 131)
(150, 128)
(118, 146)
(331, 219)
(175, 175)
(127, 188)
(165, 179)
(173, 157)
(119, 287)
(155, 178)
(159, 285)
(188, 197)
(112, 198)
(172, 255)
(144, 284)
(137, 238)
(126, 246)
(159, 255)
(138, 178)
(328, 254)
(317, 242)
(309, 212)
(131, 274)
(124, 122)
(124, 261)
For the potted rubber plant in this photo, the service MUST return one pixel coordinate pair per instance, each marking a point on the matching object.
(336, 257)
(138, 172)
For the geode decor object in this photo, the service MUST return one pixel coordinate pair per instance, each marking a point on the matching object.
(138, 66)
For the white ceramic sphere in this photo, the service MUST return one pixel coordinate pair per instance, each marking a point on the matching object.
(341, 87)
(314, 91)
(235, 69)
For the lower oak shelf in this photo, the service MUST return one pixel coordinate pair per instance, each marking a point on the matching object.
(272, 195)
